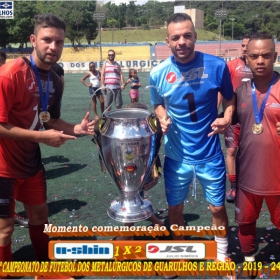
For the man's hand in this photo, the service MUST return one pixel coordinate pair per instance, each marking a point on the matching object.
(122, 87)
(55, 138)
(219, 126)
(87, 126)
(278, 128)
(164, 123)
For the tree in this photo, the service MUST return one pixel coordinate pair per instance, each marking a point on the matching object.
(21, 27)
(78, 17)
(112, 23)
(4, 34)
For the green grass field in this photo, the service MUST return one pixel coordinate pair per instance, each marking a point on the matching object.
(147, 36)
(78, 193)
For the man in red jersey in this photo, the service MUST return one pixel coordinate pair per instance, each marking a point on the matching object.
(18, 219)
(257, 169)
(30, 96)
(239, 72)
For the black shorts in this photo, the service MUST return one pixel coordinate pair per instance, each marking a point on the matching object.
(93, 91)
(31, 191)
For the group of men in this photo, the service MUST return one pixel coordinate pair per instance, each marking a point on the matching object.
(186, 106)
(190, 82)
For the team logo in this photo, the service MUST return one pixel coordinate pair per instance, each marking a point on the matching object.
(7, 10)
(152, 249)
(175, 250)
(273, 105)
(129, 156)
(130, 168)
(171, 77)
(87, 250)
(129, 153)
(31, 85)
(245, 80)
(243, 105)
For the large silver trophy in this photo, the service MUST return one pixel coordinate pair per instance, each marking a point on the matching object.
(128, 141)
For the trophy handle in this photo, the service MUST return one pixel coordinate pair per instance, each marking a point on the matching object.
(156, 127)
(106, 88)
(103, 124)
(142, 96)
(152, 120)
(97, 141)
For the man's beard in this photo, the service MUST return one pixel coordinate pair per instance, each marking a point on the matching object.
(43, 59)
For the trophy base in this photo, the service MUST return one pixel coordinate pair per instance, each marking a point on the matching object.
(130, 211)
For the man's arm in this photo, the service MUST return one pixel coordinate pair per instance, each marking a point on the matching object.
(57, 133)
(164, 120)
(228, 107)
(221, 124)
(103, 76)
(220, 98)
(121, 77)
(52, 137)
(86, 126)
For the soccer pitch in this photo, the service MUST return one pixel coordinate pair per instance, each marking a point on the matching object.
(79, 194)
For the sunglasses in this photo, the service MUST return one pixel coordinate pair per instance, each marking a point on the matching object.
(111, 55)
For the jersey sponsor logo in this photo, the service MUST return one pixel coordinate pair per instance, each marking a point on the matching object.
(4, 201)
(237, 210)
(274, 105)
(171, 77)
(31, 85)
(193, 74)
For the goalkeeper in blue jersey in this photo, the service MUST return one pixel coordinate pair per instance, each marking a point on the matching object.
(188, 83)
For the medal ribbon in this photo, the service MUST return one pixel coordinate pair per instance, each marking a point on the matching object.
(259, 115)
(44, 98)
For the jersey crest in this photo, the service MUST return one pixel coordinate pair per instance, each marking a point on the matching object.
(171, 77)
(31, 85)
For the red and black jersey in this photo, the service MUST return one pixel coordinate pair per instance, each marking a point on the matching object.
(239, 72)
(20, 106)
(258, 164)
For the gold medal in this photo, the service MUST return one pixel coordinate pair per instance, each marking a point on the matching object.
(257, 128)
(44, 116)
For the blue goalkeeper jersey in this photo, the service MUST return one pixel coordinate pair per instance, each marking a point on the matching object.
(189, 92)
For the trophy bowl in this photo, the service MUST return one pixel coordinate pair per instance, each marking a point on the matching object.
(128, 146)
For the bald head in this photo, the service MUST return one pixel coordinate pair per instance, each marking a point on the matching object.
(179, 18)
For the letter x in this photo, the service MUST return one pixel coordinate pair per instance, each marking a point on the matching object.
(127, 250)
